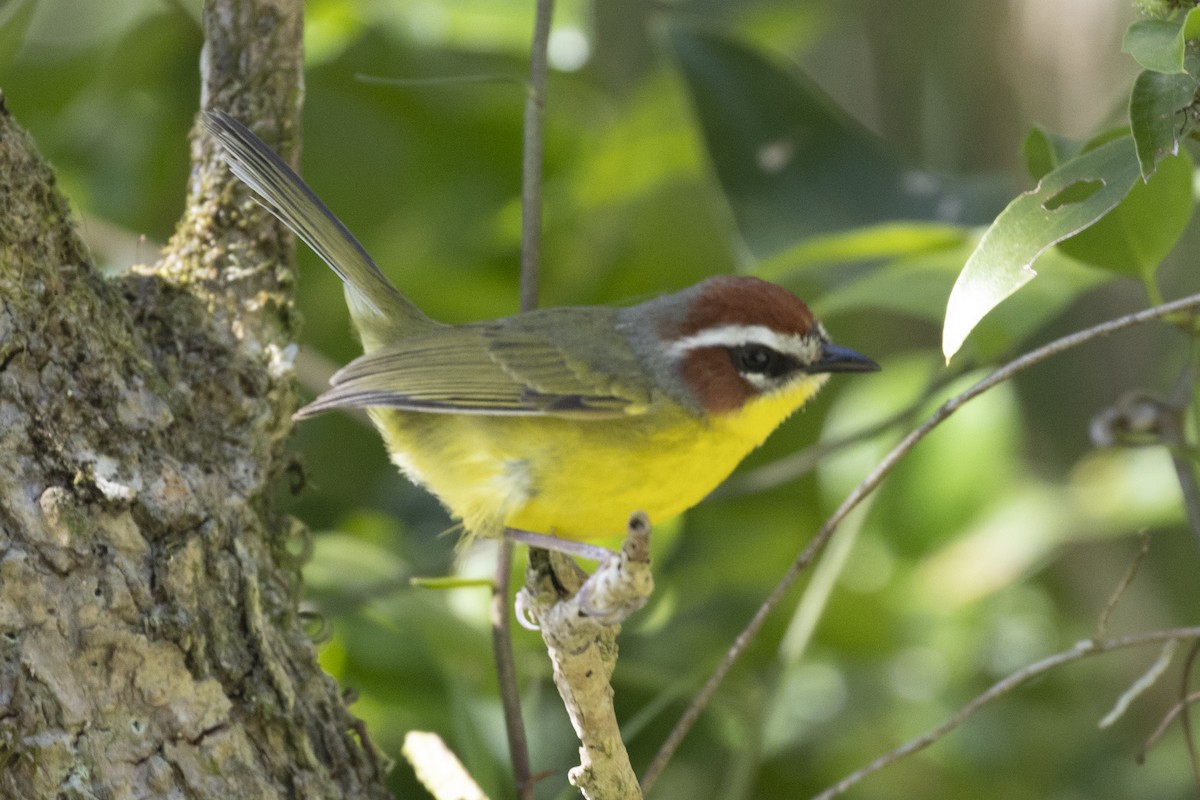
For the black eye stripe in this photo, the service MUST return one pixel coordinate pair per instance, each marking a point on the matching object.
(759, 359)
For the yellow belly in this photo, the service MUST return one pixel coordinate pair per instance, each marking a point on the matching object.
(573, 478)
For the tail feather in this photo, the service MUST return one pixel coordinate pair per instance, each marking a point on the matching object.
(379, 310)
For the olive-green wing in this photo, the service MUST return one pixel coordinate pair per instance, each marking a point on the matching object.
(557, 362)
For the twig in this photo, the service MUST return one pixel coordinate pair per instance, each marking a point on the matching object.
(1141, 419)
(506, 672)
(1188, 487)
(1176, 444)
(531, 163)
(531, 231)
(1185, 719)
(1146, 680)
(438, 769)
(438, 80)
(1088, 647)
(1122, 585)
(1174, 437)
(868, 485)
(1167, 719)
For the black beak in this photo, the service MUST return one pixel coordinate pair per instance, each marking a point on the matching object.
(841, 359)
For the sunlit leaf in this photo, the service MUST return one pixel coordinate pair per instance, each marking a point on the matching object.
(912, 286)
(889, 240)
(1065, 201)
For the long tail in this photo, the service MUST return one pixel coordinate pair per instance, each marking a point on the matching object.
(378, 308)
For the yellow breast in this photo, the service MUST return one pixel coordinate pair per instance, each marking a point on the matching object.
(579, 479)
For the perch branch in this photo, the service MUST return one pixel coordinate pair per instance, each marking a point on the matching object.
(579, 623)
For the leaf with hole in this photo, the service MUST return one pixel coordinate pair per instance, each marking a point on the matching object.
(1066, 201)
(906, 285)
(1137, 235)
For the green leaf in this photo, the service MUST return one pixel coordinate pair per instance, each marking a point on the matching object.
(793, 165)
(1067, 200)
(1044, 151)
(1136, 236)
(885, 241)
(1061, 280)
(14, 22)
(1154, 115)
(1156, 44)
(341, 560)
(1159, 44)
(903, 286)
(906, 285)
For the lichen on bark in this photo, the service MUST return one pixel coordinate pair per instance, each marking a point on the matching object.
(150, 643)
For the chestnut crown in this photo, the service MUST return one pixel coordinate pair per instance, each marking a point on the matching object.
(740, 337)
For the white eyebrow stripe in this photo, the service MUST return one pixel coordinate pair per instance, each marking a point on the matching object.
(735, 335)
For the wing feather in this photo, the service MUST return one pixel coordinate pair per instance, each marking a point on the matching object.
(548, 363)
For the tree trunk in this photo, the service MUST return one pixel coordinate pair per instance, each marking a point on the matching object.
(150, 644)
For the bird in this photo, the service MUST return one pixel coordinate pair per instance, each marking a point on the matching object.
(557, 421)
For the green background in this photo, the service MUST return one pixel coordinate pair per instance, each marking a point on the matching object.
(997, 542)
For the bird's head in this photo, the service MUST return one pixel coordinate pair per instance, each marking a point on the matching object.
(733, 338)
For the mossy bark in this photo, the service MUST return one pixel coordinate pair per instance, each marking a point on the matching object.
(150, 643)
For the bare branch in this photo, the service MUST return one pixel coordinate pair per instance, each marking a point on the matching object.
(1141, 419)
(227, 248)
(1088, 647)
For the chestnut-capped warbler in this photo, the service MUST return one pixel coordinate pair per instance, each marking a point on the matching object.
(559, 421)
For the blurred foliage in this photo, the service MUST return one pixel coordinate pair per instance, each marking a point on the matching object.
(673, 153)
(1088, 199)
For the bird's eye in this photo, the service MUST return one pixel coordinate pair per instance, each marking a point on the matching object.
(757, 359)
